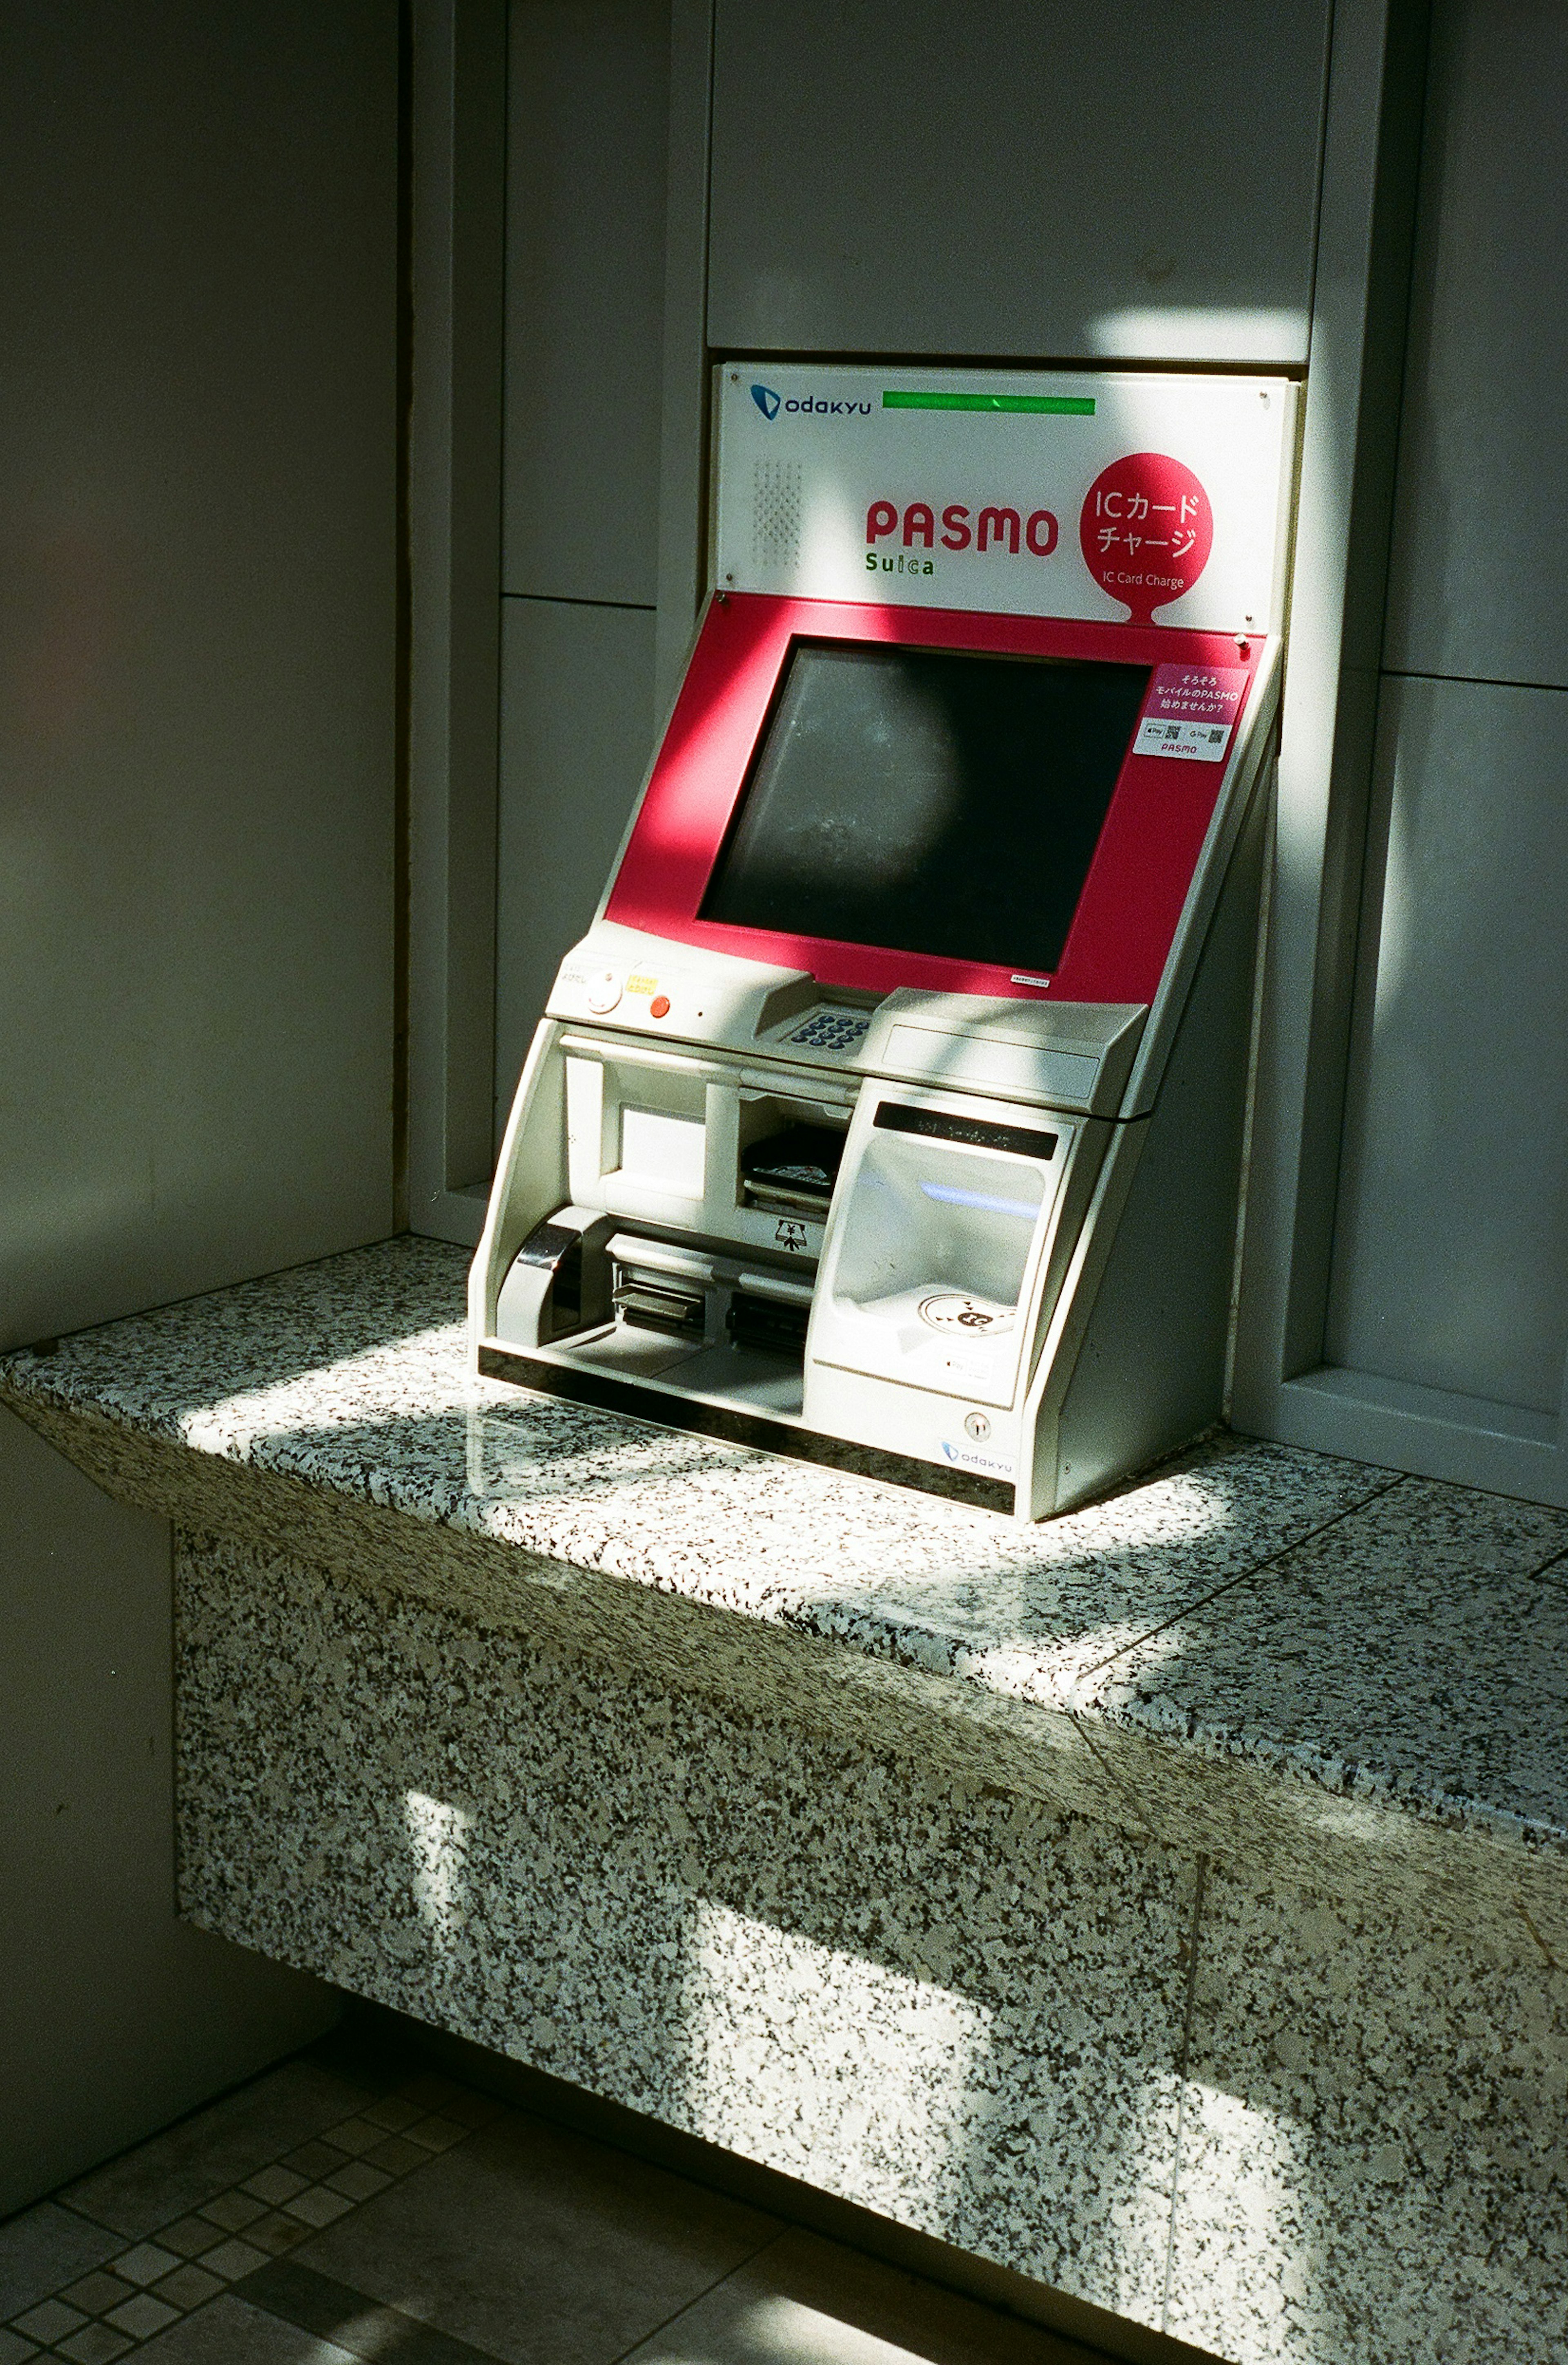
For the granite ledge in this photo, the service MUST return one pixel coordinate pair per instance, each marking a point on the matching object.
(1249, 1653)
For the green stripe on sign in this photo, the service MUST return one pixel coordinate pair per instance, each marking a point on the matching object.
(1069, 405)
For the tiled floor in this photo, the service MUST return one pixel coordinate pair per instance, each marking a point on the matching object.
(351, 2205)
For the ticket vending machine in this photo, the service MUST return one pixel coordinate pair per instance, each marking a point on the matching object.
(889, 1113)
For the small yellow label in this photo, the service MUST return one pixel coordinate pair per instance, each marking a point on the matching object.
(642, 985)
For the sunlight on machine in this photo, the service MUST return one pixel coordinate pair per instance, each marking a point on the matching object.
(889, 1115)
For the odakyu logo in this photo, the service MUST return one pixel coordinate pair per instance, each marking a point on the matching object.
(819, 405)
(968, 1459)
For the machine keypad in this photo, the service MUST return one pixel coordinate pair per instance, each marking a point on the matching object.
(831, 1030)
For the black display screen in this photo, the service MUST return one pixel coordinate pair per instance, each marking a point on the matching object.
(928, 800)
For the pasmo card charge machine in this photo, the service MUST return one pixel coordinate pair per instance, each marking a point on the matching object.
(889, 1113)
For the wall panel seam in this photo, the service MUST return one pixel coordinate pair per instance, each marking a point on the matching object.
(1189, 2012)
(576, 600)
(1468, 680)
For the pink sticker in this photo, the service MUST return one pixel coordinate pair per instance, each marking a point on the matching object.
(1197, 694)
(1190, 711)
(1146, 529)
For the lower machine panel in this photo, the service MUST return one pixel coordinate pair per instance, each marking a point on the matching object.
(579, 1383)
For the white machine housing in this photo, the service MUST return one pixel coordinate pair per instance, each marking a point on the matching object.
(1003, 1269)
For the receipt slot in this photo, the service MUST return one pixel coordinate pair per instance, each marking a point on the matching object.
(889, 1115)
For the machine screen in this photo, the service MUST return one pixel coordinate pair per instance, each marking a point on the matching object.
(927, 801)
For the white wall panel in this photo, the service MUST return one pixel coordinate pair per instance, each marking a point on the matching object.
(587, 161)
(1451, 1247)
(198, 698)
(1029, 178)
(1479, 584)
(577, 735)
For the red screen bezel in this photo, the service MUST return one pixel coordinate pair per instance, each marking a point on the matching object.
(1127, 918)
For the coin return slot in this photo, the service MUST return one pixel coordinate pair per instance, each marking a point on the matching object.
(768, 1325)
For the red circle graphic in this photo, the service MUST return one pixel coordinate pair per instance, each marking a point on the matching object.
(1146, 528)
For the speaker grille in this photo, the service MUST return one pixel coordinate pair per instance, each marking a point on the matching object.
(776, 514)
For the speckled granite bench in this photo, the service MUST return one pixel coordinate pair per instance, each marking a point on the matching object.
(1170, 1902)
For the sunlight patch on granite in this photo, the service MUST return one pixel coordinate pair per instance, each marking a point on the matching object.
(1240, 2198)
(438, 1842)
(507, 1463)
(878, 2068)
(343, 1395)
(1014, 1666)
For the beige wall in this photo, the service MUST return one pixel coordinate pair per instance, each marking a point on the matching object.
(114, 2017)
(198, 245)
(197, 717)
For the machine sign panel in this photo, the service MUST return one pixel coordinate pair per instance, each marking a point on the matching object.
(1105, 496)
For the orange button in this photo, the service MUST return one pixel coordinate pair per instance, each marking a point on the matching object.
(660, 1006)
